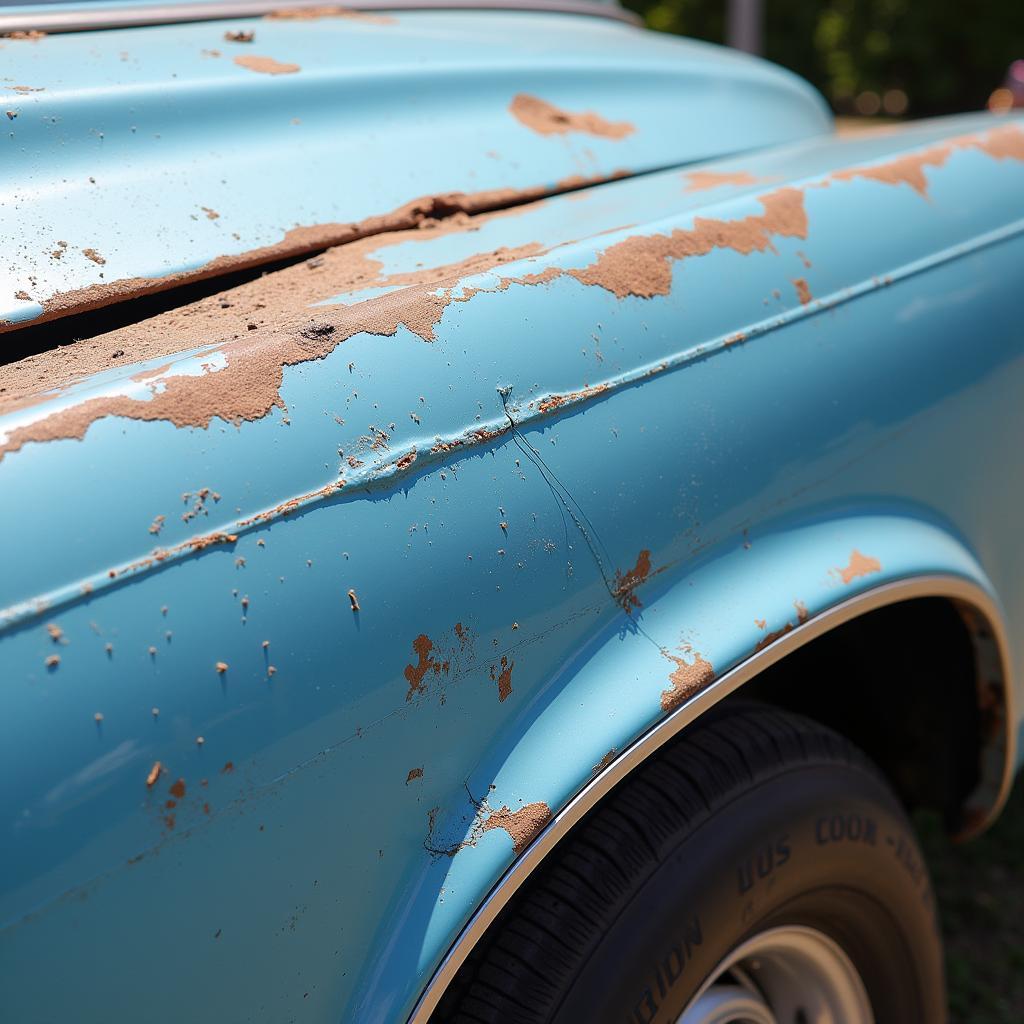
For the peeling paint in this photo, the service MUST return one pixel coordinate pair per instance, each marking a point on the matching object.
(700, 181)
(1003, 143)
(439, 213)
(859, 565)
(414, 773)
(642, 265)
(522, 826)
(547, 119)
(687, 679)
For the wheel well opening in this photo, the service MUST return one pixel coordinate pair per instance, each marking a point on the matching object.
(905, 684)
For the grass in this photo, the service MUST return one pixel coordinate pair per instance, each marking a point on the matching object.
(980, 890)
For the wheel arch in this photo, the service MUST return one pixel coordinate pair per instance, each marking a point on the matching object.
(918, 560)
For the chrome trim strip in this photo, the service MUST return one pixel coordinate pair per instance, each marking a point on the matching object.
(53, 22)
(938, 585)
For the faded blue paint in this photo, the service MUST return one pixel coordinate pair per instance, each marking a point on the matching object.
(157, 126)
(878, 417)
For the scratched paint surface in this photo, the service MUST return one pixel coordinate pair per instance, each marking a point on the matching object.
(161, 126)
(655, 478)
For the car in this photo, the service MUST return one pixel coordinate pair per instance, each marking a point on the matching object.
(504, 515)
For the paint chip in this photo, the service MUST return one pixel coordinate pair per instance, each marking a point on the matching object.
(859, 565)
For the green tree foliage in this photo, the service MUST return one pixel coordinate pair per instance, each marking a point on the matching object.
(946, 56)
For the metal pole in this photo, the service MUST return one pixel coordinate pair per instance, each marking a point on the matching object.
(744, 25)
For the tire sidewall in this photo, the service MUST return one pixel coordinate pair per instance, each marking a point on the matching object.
(820, 845)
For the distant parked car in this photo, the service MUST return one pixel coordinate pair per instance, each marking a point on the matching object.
(502, 514)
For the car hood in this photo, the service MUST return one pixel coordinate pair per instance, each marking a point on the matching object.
(142, 158)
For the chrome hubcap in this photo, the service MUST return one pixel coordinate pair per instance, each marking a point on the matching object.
(791, 975)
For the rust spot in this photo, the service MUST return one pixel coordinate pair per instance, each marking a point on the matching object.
(860, 565)
(414, 773)
(210, 213)
(178, 789)
(627, 582)
(169, 821)
(154, 774)
(770, 638)
(240, 36)
(803, 290)
(266, 65)
(604, 762)
(699, 181)
(355, 600)
(1004, 143)
(98, 717)
(56, 633)
(687, 678)
(802, 615)
(31, 35)
(157, 525)
(521, 825)
(406, 460)
(229, 767)
(222, 667)
(503, 678)
(422, 646)
(555, 401)
(289, 506)
(761, 623)
(92, 254)
(547, 119)
(23, 295)
(642, 264)
(51, 661)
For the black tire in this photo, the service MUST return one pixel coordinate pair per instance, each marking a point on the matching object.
(753, 819)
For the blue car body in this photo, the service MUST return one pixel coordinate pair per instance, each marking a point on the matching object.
(590, 367)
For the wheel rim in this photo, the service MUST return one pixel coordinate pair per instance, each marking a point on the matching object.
(791, 975)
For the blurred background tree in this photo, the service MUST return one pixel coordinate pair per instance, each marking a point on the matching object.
(913, 57)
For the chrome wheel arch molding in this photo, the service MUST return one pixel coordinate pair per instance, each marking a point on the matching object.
(983, 617)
